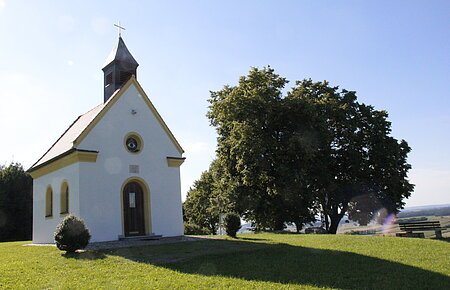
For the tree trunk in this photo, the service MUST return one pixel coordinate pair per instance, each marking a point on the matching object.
(335, 219)
(336, 212)
(278, 224)
(327, 223)
(298, 226)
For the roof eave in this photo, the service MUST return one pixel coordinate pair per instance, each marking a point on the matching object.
(60, 156)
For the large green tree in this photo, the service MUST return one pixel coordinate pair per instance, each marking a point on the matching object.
(286, 157)
(263, 150)
(357, 156)
(16, 203)
(298, 149)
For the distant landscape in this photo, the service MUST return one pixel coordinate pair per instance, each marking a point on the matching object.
(426, 210)
(439, 212)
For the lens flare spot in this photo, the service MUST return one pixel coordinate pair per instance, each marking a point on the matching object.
(113, 165)
(389, 224)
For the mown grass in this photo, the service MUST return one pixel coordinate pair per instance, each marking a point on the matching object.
(252, 261)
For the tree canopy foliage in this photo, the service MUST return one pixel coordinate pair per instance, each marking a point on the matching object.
(16, 203)
(207, 199)
(285, 158)
(199, 205)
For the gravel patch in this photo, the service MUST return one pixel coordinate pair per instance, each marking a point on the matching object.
(137, 243)
(133, 242)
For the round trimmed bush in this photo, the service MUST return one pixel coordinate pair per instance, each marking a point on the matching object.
(72, 234)
(232, 224)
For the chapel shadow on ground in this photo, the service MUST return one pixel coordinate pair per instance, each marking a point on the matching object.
(283, 263)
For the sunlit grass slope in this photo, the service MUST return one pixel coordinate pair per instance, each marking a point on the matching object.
(253, 261)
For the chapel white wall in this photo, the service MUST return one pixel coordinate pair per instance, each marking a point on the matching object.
(44, 227)
(101, 182)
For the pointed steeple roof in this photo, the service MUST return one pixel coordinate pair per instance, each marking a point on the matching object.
(120, 53)
(118, 68)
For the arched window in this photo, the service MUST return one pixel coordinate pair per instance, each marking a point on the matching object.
(49, 202)
(64, 200)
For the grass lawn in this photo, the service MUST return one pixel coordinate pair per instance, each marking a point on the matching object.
(252, 261)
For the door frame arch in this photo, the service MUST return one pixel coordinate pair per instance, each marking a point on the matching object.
(147, 207)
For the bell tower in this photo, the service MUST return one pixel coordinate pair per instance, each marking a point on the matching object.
(118, 68)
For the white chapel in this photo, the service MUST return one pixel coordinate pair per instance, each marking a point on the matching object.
(117, 166)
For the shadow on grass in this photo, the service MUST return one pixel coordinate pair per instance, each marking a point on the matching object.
(84, 255)
(251, 239)
(445, 240)
(288, 264)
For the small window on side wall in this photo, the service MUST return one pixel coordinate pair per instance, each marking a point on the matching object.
(64, 198)
(49, 202)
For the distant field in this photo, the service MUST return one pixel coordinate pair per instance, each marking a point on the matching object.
(252, 261)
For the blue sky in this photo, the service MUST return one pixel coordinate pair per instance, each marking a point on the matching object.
(395, 54)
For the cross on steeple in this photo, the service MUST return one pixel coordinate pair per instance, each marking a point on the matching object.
(119, 28)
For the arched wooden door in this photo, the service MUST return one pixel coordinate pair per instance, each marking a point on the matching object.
(133, 210)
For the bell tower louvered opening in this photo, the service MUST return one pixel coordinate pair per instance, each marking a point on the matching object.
(125, 76)
(108, 80)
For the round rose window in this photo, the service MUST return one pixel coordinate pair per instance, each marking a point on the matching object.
(133, 143)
